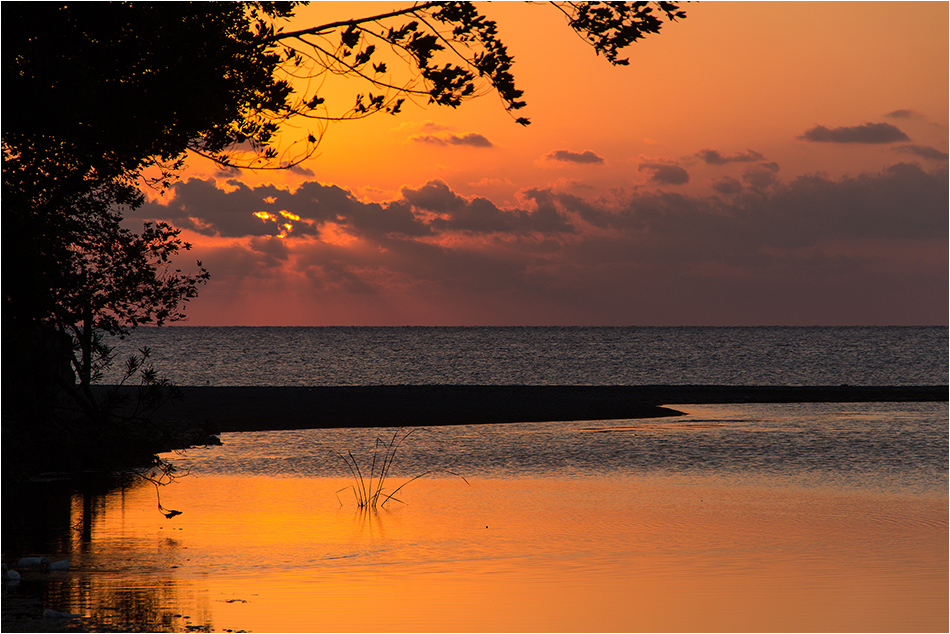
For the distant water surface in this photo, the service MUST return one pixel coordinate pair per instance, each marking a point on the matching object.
(310, 356)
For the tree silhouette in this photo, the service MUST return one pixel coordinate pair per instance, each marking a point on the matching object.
(104, 98)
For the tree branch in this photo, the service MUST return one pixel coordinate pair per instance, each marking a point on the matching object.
(351, 22)
(353, 69)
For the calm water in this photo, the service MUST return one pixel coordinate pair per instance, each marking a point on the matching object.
(872, 446)
(806, 517)
(546, 356)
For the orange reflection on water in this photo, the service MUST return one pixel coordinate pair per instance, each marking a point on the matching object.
(598, 554)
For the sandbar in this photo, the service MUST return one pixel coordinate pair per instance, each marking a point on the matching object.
(263, 408)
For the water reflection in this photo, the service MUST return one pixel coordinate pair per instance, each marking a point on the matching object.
(604, 553)
(884, 446)
(808, 517)
(118, 579)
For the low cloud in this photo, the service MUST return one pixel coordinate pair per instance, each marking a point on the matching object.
(434, 196)
(471, 139)
(712, 157)
(762, 175)
(867, 133)
(923, 151)
(903, 113)
(200, 206)
(665, 174)
(727, 185)
(300, 170)
(428, 211)
(864, 249)
(479, 215)
(585, 158)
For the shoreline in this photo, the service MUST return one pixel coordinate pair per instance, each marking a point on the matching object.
(228, 409)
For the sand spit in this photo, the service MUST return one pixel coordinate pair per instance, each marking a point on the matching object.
(260, 408)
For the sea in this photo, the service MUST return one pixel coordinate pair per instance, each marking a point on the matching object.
(331, 356)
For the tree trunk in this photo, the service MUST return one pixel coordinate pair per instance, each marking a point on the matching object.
(85, 376)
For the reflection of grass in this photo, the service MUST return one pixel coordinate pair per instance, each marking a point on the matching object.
(368, 489)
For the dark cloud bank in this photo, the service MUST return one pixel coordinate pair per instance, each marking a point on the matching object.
(867, 133)
(860, 250)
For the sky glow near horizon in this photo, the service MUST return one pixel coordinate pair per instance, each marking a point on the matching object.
(756, 163)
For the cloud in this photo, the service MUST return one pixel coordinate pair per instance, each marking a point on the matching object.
(712, 157)
(272, 250)
(370, 220)
(901, 202)
(811, 250)
(727, 185)
(923, 151)
(665, 173)
(428, 211)
(479, 215)
(471, 139)
(434, 196)
(200, 206)
(866, 133)
(903, 113)
(762, 175)
(301, 171)
(864, 249)
(585, 158)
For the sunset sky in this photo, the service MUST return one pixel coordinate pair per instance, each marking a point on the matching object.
(756, 164)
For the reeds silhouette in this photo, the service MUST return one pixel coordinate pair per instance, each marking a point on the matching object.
(369, 488)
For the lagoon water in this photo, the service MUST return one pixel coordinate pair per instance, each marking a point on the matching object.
(748, 517)
(805, 517)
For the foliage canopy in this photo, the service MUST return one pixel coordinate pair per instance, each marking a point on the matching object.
(145, 83)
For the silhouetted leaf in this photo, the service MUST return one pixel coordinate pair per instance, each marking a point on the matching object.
(351, 36)
(364, 55)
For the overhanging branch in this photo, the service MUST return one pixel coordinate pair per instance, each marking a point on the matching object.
(351, 22)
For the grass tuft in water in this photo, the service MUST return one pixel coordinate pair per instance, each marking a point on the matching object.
(369, 487)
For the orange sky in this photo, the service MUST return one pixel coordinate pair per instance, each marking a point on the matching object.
(693, 186)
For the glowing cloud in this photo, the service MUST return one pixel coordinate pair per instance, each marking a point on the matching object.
(285, 227)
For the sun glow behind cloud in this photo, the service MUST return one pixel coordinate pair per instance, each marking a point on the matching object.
(285, 227)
